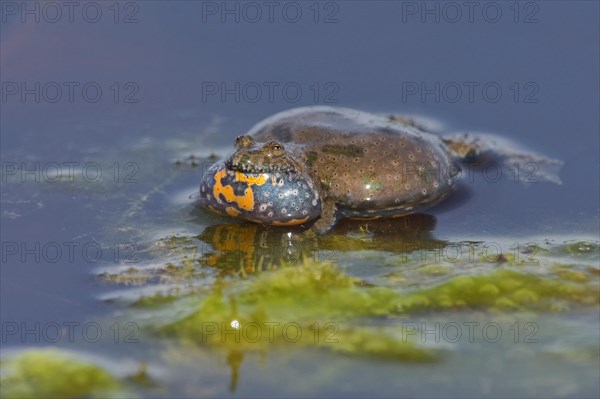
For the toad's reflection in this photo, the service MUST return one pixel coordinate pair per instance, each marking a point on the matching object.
(252, 248)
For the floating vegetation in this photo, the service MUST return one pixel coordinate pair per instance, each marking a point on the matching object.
(503, 289)
(581, 248)
(312, 305)
(249, 288)
(50, 373)
(316, 300)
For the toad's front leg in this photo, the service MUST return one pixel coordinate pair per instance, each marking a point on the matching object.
(328, 219)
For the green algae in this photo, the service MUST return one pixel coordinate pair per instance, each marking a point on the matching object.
(183, 266)
(150, 301)
(310, 305)
(131, 277)
(569, 272)
(504, 289)
(267, 292)
(179, 243)
(435, 270)
(245, 251)
(184, 270)
(581, 248)
(52, 373)
(315, 300)
(142, 377)
(368, 342)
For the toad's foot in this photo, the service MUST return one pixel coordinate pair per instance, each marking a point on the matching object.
(523, 165)
(328, 218)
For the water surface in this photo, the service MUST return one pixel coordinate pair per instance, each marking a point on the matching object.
(127, 226)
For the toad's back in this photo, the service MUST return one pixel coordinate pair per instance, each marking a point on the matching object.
(368, 165)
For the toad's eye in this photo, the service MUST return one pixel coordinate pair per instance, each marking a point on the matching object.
(275, 149)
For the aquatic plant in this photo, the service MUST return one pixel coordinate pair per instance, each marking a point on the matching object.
(50, 373)
(260, 299)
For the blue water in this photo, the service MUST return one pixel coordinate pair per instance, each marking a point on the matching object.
(168, 79)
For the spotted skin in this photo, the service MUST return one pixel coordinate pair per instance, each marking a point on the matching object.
(275, 198)
(352, 163)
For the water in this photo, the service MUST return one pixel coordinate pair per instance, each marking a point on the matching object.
(157, 76)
